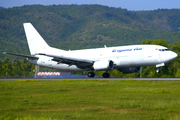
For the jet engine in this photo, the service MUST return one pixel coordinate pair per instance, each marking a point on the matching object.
(129, 69)
(103, 65)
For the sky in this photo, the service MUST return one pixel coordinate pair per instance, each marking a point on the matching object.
(133, 5)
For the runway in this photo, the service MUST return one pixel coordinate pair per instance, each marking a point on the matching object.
(115, 79)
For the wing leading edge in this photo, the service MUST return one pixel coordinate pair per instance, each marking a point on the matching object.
(81, 63)
(70, 61)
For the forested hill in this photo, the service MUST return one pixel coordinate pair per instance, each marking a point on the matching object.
(86, 26)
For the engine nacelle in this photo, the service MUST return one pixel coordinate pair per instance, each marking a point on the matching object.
(130, 69)
(103, 65)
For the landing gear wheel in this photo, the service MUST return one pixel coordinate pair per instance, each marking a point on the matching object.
(105, 75)
(157, 70)
(91, 74)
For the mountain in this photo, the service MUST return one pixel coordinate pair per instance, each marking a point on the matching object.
(164, 19)
(86, 26)
(2, 7)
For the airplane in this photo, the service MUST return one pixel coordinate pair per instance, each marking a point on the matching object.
(127, 59)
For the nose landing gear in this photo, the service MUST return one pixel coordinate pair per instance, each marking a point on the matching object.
(157, 70)
(159, 65)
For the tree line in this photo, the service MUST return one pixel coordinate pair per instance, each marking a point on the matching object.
(16, 69)
(23, 69)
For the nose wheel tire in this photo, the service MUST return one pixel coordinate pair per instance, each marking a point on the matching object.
(91, 74)
(105, 75)
(157, 70)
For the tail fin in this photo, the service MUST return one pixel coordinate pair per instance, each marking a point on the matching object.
(35, 41)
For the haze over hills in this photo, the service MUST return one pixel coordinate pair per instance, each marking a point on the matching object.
(86, 26)
(2, 7)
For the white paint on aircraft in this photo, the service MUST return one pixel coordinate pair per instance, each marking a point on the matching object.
(127, 59)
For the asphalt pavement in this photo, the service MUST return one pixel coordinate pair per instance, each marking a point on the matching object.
(115, 79)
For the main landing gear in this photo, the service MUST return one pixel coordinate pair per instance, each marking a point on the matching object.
(91, 74)
(104, 75)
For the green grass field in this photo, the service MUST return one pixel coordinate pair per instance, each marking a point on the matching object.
(89, 100)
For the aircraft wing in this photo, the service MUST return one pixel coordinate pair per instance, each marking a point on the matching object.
(70, 61)
(26, 56)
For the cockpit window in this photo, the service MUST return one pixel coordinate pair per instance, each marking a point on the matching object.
(163, 49)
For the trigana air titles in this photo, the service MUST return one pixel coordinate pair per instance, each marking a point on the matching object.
(127, 59)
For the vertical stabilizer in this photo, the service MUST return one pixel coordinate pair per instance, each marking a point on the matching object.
(35, 41)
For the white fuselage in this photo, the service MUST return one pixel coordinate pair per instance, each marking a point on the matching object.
(122, 56)
(127, 59)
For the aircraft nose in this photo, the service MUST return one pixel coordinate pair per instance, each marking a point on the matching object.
(174, 55)
(168, 56)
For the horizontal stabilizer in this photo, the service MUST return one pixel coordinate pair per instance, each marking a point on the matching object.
(26, 56)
